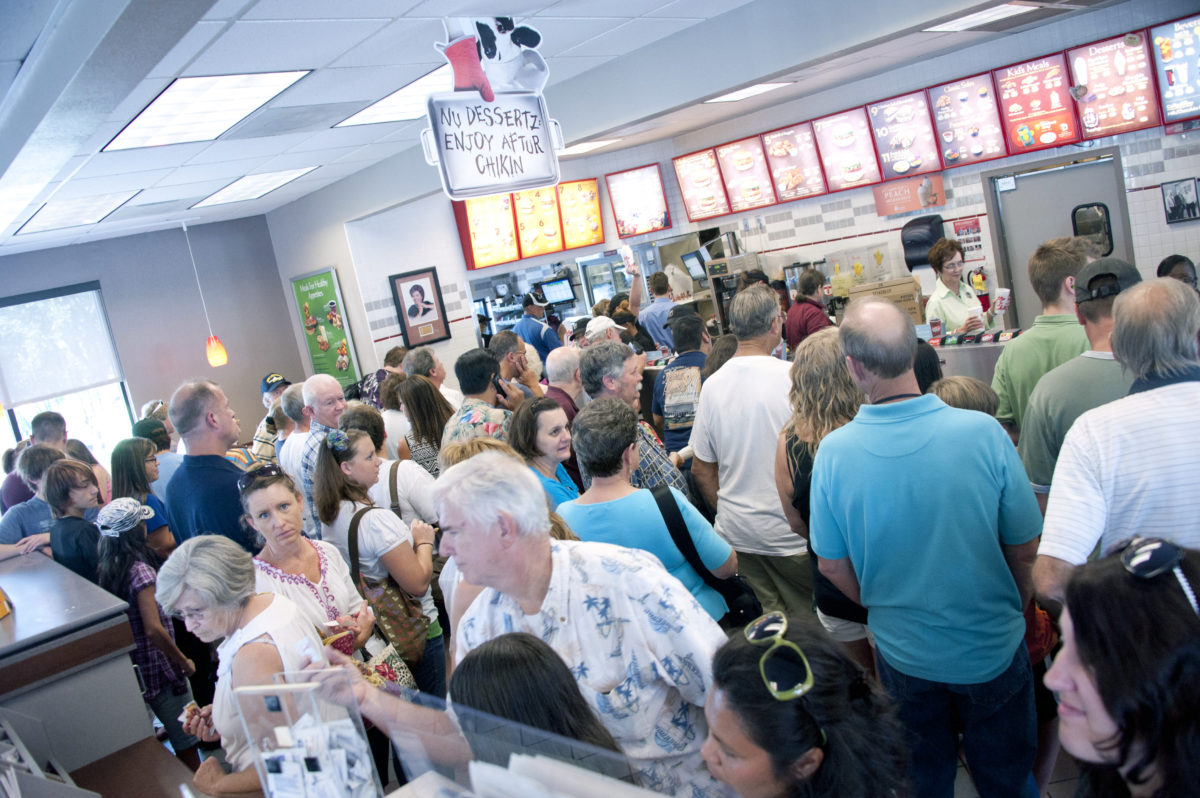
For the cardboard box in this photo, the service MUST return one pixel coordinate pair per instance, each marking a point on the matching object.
(904, 291)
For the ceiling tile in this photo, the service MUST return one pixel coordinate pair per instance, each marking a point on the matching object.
(174, 208)
(703, 9)
(109, 184)
(476, 8)
(306, 119)
(300, 160)
(230, 170)
(140, 160)
(354, 136)
(371, 152)
(191, 192)
(323, 9)
(190, 46)
(280, 46)
(560, 34)
(227, 9)
(403, 41)
(566, 67)
(361, 84)
(630, 36)
(589, 8)
(238, 149)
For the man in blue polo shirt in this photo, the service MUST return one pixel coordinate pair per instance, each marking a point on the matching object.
(923, 514)
(533, 329)
(654, 316)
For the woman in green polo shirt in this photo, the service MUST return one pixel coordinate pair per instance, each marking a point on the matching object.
(953, 301)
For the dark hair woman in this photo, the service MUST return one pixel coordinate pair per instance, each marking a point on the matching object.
(134, 467)
(427, 411)
(539, 432)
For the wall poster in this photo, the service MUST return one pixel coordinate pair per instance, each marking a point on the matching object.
(322, 314)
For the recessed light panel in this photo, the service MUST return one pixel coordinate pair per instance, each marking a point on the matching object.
(252, 187)
(980, 18)
(59, 214)
(406, 103)
(201, 109)
(586, 146)
(749, 91)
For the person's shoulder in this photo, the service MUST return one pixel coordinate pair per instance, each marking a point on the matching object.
(617, 561)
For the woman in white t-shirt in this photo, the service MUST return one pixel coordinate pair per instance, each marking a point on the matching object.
(347, 466)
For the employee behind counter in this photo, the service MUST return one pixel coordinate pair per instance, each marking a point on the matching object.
(953, 301)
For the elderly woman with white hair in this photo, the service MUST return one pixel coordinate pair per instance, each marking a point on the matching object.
(209, 583)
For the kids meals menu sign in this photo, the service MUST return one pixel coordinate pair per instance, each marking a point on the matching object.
(1036, 106)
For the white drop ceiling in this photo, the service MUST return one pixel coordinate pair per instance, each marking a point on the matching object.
(74, 73)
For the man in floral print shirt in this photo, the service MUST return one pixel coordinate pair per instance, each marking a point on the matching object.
(485, 412)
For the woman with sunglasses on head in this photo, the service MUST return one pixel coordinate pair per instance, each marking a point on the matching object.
(1127, 677)
(790, 714)
(134, 467)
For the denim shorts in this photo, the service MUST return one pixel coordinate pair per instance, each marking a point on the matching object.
(167, 706)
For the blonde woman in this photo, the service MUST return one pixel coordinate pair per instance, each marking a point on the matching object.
(823, 398)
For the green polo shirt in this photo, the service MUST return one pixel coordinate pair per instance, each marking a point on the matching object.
(1050, 342)
(952, 307)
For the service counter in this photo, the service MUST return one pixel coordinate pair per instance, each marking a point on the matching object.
(970, 360)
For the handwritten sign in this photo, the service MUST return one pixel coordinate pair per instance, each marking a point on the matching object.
(489, 148)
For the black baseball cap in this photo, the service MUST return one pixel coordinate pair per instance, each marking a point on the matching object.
(534, 299)
(1126, 275)
(678, 312)
(273, 381)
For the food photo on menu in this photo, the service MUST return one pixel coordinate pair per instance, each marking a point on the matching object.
(904, 137)
(966, 119)
(579, 202)
(794, 163)
(492, 231)
(1112, 79)
(639, 204)
(1036, 104)
(538, 225)
(747, 178)
(847, 150)
(701, 186)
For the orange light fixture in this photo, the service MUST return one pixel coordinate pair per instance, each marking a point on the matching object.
(216, 352)
(213, 348)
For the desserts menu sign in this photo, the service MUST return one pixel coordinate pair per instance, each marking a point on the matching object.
(1035, 105)
(579, 202)
(904, 136)
(967, 121)
(1120, 92)
(1175, 47)
(794, 163)
(638, 202)
(492, 230)
(537, 221)
(747, 179)
(847, 152)
(700, 183)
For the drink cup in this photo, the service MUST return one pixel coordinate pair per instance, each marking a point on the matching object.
(1002, 298)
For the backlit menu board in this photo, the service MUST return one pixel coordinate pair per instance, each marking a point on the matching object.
(747, 179)
(579, 204)
(1175, 45)
(794, 163)
(967, 121)
(1120, 92)
(1035, 105)
(904, 136)
(538, 228)
(492, 230)
(638, 202)
(847, 152)
(701, 186)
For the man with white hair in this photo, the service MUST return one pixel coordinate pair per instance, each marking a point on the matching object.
(1127, 468)
(565, 387)
(324, 403)
(290, 453)
(422, 361)
(637, 642)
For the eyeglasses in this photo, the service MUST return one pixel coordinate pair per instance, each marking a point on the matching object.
(1147, 558)
(257, 472)
(784, 668)
(151, 459)
(190, 615)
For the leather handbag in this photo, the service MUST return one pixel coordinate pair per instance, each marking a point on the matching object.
(744, 606)
(397, 614)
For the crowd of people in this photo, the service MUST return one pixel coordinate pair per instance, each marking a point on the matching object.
(921, 551)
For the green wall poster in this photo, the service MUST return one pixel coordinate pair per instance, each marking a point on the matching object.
(322, 315)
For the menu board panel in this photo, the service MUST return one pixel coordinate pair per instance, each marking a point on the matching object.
(1035, 105)
(967, 120)
(639, 204)
(492, 229)
(579, 204)
(1120, 93)
(904, 136)
(1175, 45)
(538, 227)
(794, 163)
(747, 179)
(701, 186)
(847, 152)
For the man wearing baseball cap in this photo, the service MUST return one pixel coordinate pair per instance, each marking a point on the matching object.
(263, 448)
(533, 329)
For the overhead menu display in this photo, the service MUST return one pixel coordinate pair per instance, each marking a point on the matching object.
(794, 163)
(492, 230)
(538, 227)
(747, 178)
(1119, 92)
(1035, 105)
(967, 120)
(904, 136)
(638, 202)
(1175, 46)
(847, 152)
(701, 186)
(579, 204)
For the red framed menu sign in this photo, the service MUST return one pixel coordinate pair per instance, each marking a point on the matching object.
(966, 119)
(700, 183)
(747, 178)
(1175, 46)
(539, 229)
(904, 137)
(487, 230)
(1120, 87)
(639, 204)
(579, 206)
(794, 163)
(846, 149)
(1035, 105)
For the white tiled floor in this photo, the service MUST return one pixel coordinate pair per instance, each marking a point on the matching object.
(1062, 783)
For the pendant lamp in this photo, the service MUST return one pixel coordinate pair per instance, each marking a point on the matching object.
(213, 348)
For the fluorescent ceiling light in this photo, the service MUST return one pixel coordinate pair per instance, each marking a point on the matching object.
(252, 187)
(201, 109)
(586, 146)
(981, 18)
(406, 103)
(749, 91)
(74, 212)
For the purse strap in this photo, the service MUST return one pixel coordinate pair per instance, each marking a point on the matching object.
(679, 533)
(392, 486)
(352, 544)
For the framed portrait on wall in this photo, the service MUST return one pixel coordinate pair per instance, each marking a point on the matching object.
(419, 307)
(1180, 201)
